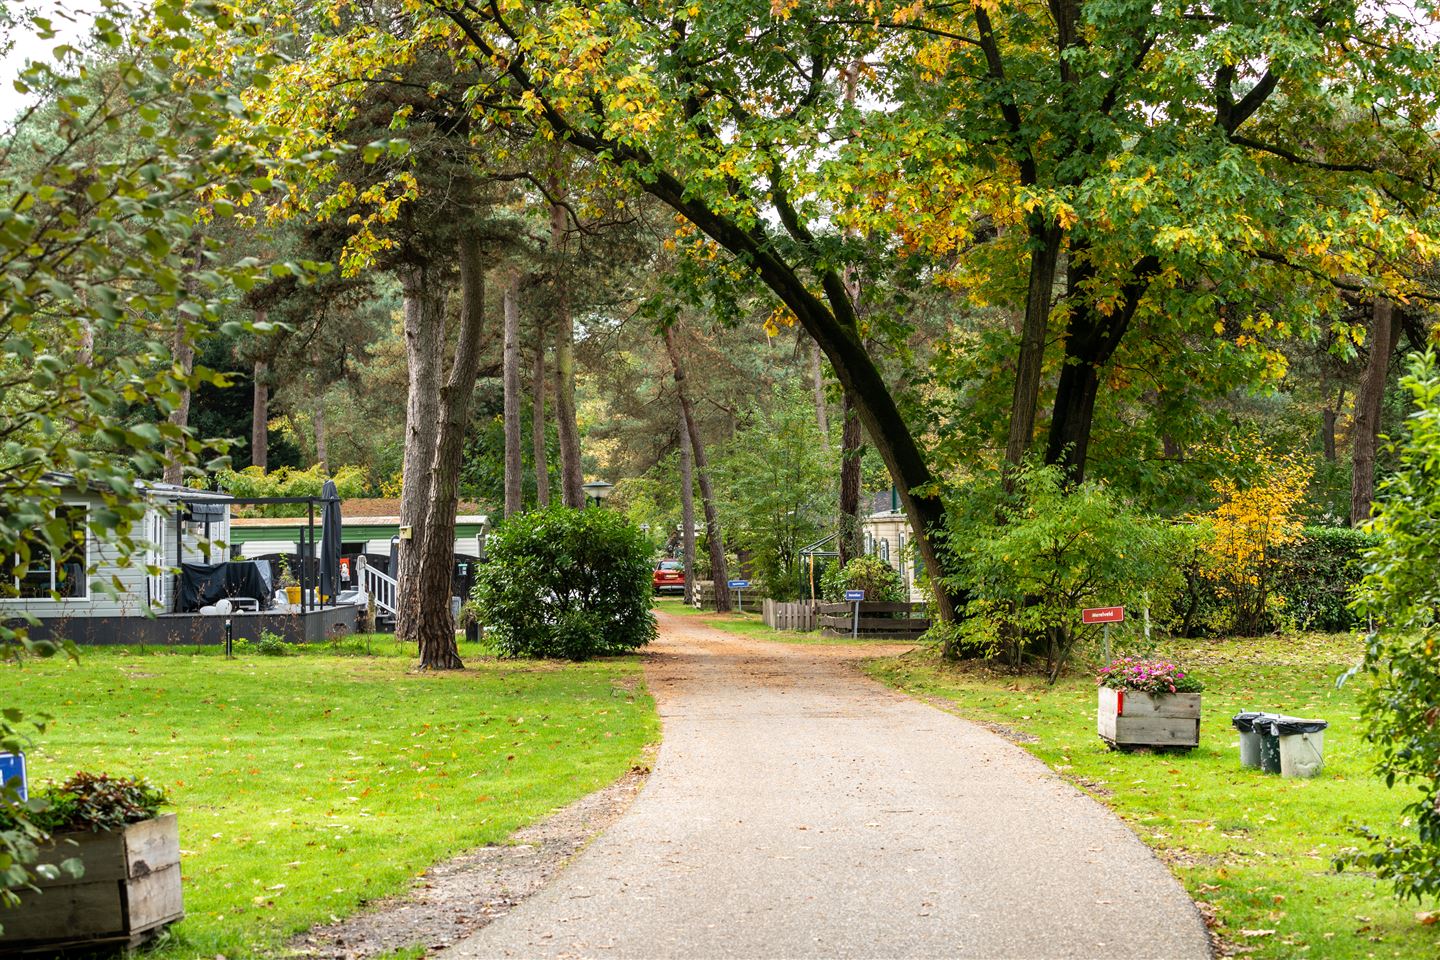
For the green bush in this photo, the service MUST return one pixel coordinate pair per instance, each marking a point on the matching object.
(1031, 558)
(566, 583)
(1402, 653)
(1318, 577)
(878, 579)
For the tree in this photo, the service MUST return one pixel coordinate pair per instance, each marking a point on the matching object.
(1384, 335)
(1402, 657)
(104, 183)
(713, 539)
(691, 78)
(513, 467)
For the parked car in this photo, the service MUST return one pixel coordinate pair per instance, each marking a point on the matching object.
(669, 575)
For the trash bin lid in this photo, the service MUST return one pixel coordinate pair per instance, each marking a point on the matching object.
(1244, 721)
(1280, 726)
(1247, 721)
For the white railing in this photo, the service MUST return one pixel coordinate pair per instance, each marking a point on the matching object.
(380, 588)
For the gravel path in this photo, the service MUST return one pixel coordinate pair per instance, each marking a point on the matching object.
(798, 809)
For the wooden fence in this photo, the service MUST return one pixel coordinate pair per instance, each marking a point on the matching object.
(789, 616)
(705, 597)
(890, 621)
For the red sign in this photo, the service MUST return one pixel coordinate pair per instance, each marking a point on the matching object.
(1103, 615)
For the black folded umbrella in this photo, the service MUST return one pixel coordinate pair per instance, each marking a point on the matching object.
(330, 541)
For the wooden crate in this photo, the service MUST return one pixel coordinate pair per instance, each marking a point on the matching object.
(1128, 718)
(130, 890)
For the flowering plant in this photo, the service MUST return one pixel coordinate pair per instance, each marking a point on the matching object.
(1147, 676)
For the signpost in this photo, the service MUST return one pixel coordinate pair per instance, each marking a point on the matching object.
(12, 773)
(855, 596)
(739, 586)
(1106, 616)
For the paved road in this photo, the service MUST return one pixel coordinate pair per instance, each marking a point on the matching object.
(798, 809)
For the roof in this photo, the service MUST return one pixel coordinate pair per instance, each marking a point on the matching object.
(346, 520)
(389, 507)
(149, 488)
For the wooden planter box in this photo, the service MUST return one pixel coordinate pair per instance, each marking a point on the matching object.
(1128, 718)
(129, 891)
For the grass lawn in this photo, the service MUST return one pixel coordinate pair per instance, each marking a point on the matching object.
(311, 783)
(1254, 850)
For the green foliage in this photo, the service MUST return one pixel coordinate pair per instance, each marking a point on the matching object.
(270, 644)
(108, 187)
(1318, 576)
(566, 583)
(95, 801)
(777, 490)
(1032, 560)
(1401, 592)
(350, 482)
(880, 581)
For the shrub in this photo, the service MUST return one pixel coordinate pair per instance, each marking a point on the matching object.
(1243, 554)
(350, 482)
(94, 801)
(1030, 559)
(880, 581)
(1402, 653)
(1318, 575)
(566, 583)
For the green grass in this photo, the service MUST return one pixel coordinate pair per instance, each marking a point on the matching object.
(1254, 850)
(309, 784)
(750, 624)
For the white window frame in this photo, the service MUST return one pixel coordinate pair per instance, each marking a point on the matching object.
(155, 527)
(54, 579)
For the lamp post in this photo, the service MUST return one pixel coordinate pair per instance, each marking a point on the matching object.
(597, 490)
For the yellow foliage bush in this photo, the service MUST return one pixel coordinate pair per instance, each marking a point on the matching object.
(1241, 553)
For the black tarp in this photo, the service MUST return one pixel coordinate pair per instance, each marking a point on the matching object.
(330, 545)
(202, 584)
(1282, 726)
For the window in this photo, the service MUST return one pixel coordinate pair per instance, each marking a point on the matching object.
(62, 573)
(671, 565)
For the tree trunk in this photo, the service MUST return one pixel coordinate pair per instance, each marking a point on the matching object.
(322, 443)
(817, 380)
(571, 478)
(1384, 334)
(514, 465)
(849, 544)
(86, 354)
(537, 425)
(687, 507)
(1044, 257)
(718, 573)
(435, 627)
(424, 324)
(183, 349)
(1090, 341)
(260, 414)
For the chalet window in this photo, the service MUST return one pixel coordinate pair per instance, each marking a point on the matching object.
(63, 573)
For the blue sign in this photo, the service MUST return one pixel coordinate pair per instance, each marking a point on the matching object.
(12, 768)
(854, 595)
(738, 584)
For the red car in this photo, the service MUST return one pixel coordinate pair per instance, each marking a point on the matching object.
(669, 575)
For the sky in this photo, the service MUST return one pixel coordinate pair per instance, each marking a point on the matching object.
(69, 20)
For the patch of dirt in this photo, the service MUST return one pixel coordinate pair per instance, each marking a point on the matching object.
(456, 898)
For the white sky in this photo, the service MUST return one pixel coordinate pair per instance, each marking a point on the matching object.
(70, 20)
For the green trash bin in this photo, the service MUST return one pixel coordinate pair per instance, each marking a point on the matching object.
(1250, 738)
